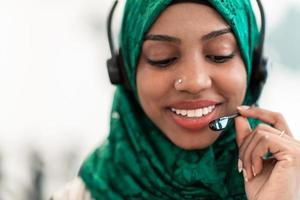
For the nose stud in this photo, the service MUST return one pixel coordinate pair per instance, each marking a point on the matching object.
(177, 83)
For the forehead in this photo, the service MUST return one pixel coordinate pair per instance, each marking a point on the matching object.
(188, 18)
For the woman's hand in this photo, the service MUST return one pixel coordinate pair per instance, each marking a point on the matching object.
(279, 176)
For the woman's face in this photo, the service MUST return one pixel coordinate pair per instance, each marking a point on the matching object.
(193, 43)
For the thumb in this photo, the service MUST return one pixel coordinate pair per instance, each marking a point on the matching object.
(242, 128)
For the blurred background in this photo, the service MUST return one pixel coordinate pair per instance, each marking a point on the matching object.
(55, 94)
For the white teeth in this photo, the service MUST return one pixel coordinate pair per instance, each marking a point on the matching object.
(194, 113)
(199, 112)
(191, 113)
(209, 109)
(205, 111)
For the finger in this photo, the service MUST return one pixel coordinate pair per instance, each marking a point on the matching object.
(246, 156)
(267, 116)
(250, 142)
(272, 130)
(278, 133)
(267, 143)
(247, 140)
(262, 143)
(245, 144)
(257, 164)
(246, 164)
(243, 129)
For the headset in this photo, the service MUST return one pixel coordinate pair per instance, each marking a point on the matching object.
(116, 69)
(115, 64)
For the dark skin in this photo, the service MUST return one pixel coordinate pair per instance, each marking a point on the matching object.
(278, 177)
(205, 57)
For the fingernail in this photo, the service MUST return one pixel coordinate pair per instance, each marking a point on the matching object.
(245, 175)
(253, 170)
(243, 107)
(240, 165)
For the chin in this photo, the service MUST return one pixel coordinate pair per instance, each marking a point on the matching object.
(195, 143)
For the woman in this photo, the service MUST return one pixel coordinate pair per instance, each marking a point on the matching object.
(188, 63)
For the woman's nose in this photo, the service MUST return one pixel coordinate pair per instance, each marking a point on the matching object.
(193, 77)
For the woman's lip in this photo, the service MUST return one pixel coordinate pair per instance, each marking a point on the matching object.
(195, 104)
(193, 124)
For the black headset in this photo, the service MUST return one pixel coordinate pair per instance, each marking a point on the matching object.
(116, 69)
(115, 64)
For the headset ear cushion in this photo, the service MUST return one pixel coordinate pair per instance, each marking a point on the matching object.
(113, 70)
(259, 74)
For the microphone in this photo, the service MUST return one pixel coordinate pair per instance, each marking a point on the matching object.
(221, 123)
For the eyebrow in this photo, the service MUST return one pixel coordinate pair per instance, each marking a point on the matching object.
(167, 38)
(163, 38)
(216, 33)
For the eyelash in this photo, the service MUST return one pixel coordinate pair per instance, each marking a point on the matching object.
(219, 59)
(169, 61)
(162, 63)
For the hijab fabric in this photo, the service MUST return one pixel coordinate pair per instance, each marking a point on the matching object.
(137, 161)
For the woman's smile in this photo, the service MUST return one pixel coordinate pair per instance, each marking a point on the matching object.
(193, 115)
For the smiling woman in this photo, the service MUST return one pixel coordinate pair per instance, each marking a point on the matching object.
(184, 64)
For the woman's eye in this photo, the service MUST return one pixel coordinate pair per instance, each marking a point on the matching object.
(162, 63)
(219, 59)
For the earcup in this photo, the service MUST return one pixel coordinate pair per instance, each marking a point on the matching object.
(116, 71)
(259, 74)
(113, 70)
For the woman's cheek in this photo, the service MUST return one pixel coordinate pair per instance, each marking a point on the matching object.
(152, 88)
(234, 84)
(239, 86)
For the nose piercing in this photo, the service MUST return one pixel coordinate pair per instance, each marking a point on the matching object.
(178, 81)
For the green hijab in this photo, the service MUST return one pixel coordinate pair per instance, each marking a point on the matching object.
(137, 161)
